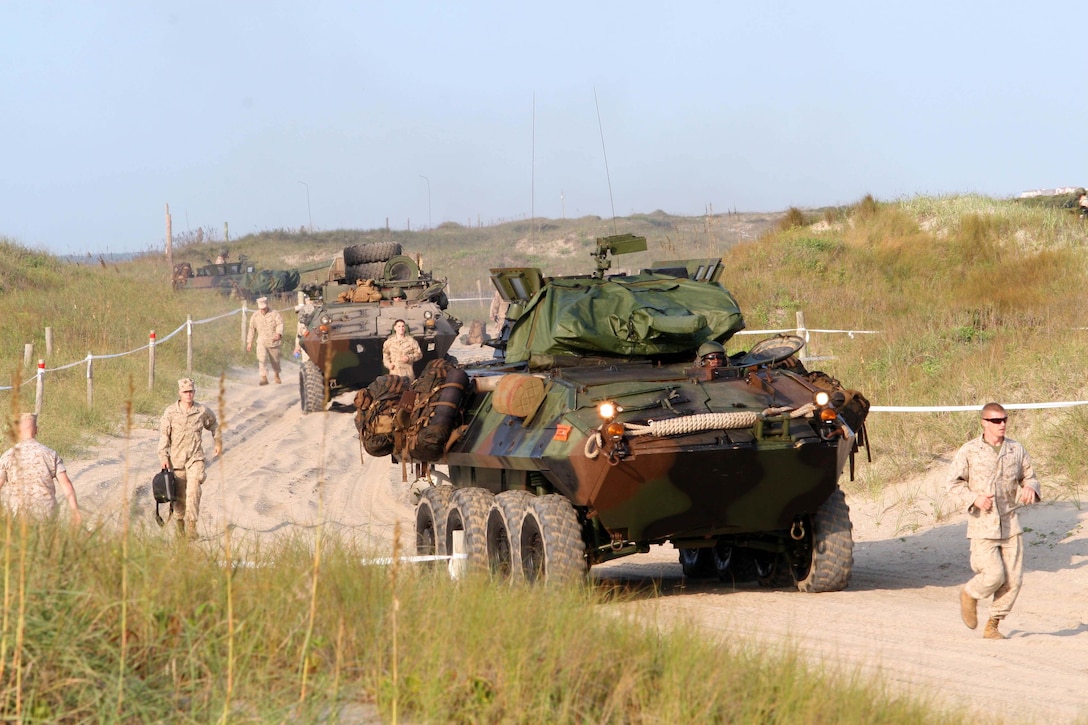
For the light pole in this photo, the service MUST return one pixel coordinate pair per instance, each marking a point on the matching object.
(308, 215)
(429, 226)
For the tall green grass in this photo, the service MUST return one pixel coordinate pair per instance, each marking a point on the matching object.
(197, 641)
(976, 300)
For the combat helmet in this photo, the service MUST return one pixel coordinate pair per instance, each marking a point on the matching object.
(709, 348)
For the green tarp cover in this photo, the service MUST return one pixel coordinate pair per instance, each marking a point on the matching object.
(630, 316)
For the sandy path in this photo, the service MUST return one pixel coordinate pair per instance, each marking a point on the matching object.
(899, 617)
(281, 472)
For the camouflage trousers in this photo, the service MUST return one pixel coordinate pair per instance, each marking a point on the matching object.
(268, 357)
(188, 482)
(999, 570)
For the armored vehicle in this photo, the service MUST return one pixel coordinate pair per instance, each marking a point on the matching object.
(242, 278)
(602, 433)
(344, 323)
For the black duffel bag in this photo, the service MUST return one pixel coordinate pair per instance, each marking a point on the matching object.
(164, 489)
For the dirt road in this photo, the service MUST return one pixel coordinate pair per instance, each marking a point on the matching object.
(282, 473)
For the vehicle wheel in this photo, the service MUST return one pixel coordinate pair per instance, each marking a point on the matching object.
(431, 513)
(468, 511)
(504, 533)
(311, 388)
(552, 549)
(697, 563)
(770, 569)
(355, 272)
(722, 558)
(372, 252)
(832, 547)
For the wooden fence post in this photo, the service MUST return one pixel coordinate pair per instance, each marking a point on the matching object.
(243, 324)
(90, 381)
(803, 333)
(28, 354)
(49, 342)
(189, 346)
(151, 361)
(39, 388)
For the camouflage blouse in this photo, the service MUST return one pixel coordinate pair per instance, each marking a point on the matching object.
(27, 475)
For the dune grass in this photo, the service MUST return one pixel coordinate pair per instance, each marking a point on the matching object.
(103, 308)
(976, 299)
(466, 652)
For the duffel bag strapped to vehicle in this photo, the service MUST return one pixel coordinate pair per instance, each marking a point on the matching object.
(164, 489)
(440, 391)
(377, 432)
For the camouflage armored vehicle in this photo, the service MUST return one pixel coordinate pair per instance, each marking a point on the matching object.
(242, 278)
(602, 433)
(345, 322)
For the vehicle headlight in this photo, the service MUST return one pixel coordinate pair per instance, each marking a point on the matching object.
(607, 410)
(822, 398)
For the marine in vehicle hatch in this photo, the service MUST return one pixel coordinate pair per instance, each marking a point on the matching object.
(400, 351)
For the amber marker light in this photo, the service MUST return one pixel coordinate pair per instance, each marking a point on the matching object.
(828, 415)
(614, 430)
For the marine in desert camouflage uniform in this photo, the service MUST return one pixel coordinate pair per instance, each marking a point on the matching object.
(991, 477)
(181, 448)
(27, 475)
(400, 351)
(267, 326)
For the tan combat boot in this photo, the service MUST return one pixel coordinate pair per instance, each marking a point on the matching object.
(264, 380)
(991, 631)
(969, 609)
(181, 527)
(278, 381)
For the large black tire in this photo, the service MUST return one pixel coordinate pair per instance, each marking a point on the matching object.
(721, 558)
(552, 550)
(311, 388)
(372, 252)
(504, 533)
(697, 563)
(431, 514)
(832, 547)
(468, 511)
(356, 272)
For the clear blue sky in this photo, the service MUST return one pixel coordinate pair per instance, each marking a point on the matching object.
(111, 109)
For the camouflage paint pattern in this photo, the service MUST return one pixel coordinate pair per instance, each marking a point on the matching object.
(683, 487)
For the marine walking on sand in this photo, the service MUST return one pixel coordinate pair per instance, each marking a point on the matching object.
(990, 478)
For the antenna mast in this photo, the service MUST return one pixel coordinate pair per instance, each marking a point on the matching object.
(604, 152)
(532, 182)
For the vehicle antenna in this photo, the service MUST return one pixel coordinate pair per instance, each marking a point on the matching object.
(607, 176)
(532, 182)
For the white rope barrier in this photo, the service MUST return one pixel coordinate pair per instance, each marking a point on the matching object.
(158, 342)
(971, 408)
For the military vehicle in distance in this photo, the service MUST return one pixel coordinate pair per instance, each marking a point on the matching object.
(241, 278)
(599, 434)
(344, 322)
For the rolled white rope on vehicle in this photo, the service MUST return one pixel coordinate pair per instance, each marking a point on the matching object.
(593, 445)
(694, 423)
